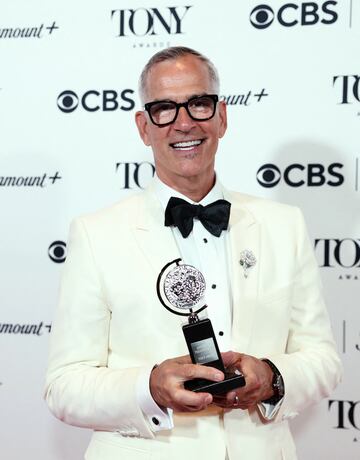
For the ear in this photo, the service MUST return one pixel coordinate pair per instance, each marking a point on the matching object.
(142, 126)
(223, 118)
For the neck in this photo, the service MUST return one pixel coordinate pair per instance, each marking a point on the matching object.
(195, 188)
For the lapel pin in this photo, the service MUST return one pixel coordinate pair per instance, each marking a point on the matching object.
(247, 261)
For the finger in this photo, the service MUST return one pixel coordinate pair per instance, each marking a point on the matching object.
(220, 401)
(244, 394)
(197, 371)
(252, 381)
(231, 358)
(250, 397)
(225, 403)
(231, 397)
(219, 397)
(249, 402)
(229, 400)
(196, 401)
(185, 359)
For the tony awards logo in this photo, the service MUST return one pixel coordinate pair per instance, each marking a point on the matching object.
(180, 289)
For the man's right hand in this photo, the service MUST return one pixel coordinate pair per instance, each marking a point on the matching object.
(167, 384)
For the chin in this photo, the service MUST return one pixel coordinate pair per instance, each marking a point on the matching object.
(191, 173)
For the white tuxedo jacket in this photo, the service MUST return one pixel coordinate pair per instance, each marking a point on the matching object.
(110, 324)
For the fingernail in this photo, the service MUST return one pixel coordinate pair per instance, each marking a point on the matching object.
(218, 377)
(208, 399)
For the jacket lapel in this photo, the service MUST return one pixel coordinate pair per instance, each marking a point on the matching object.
(155, 240)
(244, 234)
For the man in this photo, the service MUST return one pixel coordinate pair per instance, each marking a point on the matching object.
(118, 360)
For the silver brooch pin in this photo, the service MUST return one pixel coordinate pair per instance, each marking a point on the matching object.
(247, 261)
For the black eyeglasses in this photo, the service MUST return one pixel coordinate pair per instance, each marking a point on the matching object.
(199, 108)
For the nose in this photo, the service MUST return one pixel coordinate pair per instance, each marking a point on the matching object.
(183, 121)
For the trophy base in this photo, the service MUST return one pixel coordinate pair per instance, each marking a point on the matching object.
(230, 382)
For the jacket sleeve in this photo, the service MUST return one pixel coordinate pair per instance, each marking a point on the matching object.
(80, 387)
(310, 366)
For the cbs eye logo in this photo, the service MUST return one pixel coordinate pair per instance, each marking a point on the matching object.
(268, 175)
(67, 101)
(57, 252)
(262, 16)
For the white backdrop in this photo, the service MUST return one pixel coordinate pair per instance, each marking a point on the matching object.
(290, 74)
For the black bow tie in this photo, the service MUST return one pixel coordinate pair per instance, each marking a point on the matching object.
(214, 216)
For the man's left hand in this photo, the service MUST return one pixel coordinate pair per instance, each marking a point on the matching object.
(258, 377)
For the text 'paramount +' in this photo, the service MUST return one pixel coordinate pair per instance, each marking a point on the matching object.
(41, 181)
(28, 32)
(24, 329)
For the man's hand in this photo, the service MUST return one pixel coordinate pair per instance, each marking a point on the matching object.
(258, 377)
(167, 384)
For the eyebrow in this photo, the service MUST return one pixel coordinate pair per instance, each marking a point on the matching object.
(171, 100)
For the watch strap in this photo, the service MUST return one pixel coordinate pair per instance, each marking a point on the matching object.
(277, 383)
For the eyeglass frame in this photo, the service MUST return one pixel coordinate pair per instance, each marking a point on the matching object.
(185, 104)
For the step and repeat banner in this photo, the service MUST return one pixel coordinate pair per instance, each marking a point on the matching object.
(290, 75)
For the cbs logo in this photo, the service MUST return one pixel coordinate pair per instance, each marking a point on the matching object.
(297, 175)
(57, 251)
(291, 14)
(93, 101)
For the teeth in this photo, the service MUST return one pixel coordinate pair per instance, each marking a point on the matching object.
(186, 145)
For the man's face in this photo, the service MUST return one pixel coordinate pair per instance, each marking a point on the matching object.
(178, 80)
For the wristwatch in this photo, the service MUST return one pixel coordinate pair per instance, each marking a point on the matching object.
(277, 383)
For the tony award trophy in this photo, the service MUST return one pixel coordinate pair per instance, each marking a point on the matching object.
(181, 287)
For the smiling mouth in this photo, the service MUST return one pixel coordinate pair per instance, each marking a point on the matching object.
(186, 145)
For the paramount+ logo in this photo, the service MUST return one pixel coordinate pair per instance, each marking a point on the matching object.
(299, 175)
(107, 100)
(295, 14)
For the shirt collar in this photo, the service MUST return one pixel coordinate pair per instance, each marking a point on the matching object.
(164, 193)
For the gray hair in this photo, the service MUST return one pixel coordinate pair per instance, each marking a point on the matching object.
(173, 53)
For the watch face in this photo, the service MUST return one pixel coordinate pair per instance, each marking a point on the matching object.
(279, 385)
